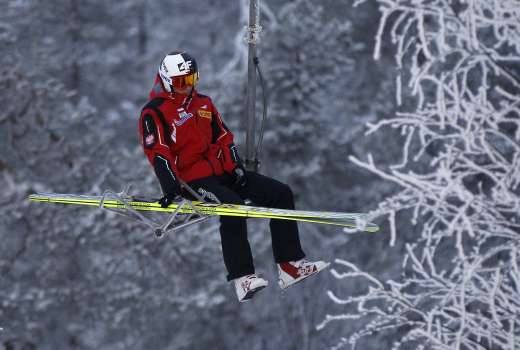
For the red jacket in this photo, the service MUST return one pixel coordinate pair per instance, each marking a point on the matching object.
(185, 137)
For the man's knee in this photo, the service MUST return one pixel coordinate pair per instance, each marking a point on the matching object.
(230, 197)
(234, 200)
(285, 193)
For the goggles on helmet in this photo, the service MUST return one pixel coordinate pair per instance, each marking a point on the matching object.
(185, 80)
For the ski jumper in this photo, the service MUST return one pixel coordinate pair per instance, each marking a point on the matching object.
(184, 137)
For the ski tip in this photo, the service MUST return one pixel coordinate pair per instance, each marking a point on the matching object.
(35, 197)
(370, 228)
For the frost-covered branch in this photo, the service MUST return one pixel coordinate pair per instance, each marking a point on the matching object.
(458, 176)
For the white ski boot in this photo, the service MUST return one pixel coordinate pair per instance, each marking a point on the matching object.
(247, 286)
(293, 272)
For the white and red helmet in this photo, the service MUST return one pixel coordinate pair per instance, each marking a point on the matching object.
(177, 70)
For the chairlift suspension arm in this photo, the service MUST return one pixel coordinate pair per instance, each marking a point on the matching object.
(176, 220)
(252, 37)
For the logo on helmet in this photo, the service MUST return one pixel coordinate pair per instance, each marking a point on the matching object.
(184, 66)
(165, 78)
(164, 68)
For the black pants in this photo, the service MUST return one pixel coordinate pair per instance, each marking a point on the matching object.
(265, 192)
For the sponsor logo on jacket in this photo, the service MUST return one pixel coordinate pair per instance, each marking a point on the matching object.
(150, 139)
(183, 118)
(204, 114)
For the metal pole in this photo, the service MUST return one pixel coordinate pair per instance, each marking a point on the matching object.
(253, 29)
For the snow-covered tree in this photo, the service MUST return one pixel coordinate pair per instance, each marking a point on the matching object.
(458, 89)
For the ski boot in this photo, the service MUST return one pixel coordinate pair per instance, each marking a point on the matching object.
(292, 272)
(247, 286)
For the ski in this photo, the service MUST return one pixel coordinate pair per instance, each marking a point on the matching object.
(349, 220)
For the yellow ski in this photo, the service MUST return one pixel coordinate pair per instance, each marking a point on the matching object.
(349, 220)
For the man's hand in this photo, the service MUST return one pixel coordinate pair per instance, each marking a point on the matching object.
(239, 176)
(168, 199)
